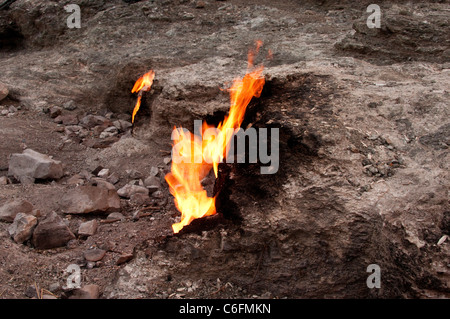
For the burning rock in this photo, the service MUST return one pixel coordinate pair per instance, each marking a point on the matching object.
(22, 227)
(51, 232)
(34, 165)
(90, 199)
(9, 210)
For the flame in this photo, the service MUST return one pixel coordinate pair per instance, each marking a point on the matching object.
(198, 155)
(143, 84)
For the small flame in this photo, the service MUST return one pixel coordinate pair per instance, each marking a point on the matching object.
(187, 173)
(143, 84)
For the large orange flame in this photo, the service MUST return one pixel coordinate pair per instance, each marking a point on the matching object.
(198, 155)
(144, 83)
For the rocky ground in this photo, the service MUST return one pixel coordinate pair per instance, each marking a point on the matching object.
(364, 136)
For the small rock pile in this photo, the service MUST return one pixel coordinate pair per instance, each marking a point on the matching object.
(91, 130)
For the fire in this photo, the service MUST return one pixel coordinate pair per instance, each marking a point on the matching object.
(143, 84)
(199, 155)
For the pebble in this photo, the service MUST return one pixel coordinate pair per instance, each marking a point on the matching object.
(55, 111)
(134, 174)
(3, 180)
(115, 215)
(129, 190)
(158, 194)
(88, 228)
(152, 183)
(113, 178)
(103, 173)
(154, 171)
(95, 254)
(70, 105)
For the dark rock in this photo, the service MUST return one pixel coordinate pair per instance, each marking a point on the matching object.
(51, 232)
(90, 199)
(31, 292)
(97, 170)
(55, 111)
(439, 139)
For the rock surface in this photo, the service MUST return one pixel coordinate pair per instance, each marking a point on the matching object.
(363, 130)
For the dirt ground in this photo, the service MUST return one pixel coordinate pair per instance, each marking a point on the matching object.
(364, 136)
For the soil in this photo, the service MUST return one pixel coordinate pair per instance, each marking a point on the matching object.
(364, 135)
